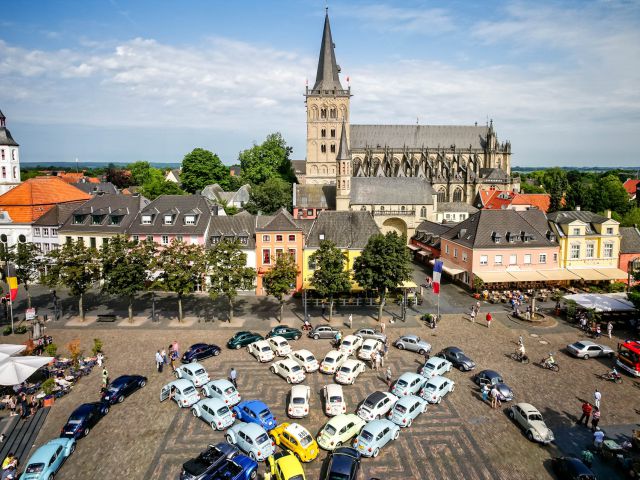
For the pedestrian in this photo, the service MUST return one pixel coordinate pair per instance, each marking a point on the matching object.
(426, 356)
(583, 323)
(473, 314)
(388, 376)
(478, 306)
(598, 438)
(176, 347)
(9, 473)
(350, 320)
(587, 457)
(520, 341)
(9, 459)
(24, 405)
(485, 393)
(489, 318)
(595, 419)
(324, 307)
(233, 377)
(163, 354)
(99, 358)
(597, 396)
(609, 328)
(105, 376)
(173, 356)
(598, 331)
(377, 361)
(383, 326)
(159, 361)
(586, 413)
(494, 397)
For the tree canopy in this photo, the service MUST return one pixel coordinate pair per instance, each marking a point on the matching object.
(330, 276)
(28, 263)
(269, 197)
(200, 168)
(268, 160)
(281, 279)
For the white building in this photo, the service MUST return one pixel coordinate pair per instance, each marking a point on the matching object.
(9, 158)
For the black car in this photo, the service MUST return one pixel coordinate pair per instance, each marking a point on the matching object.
(343, 464)
(83, 419)
(493, 378)
(199, 351)
(286, 332)
(201, 467)
(122, 387)
(323, 331)
(242, 339)
(570, 468)
(457, 358)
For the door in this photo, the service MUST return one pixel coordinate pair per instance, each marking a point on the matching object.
(164, 393)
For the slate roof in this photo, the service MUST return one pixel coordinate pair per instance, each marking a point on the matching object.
(299, 167)
(327, 75)
(107, 206)
(429, 233)
(391, 191)
(6, 139)
(178, 205)
(630, 241)
(350, 229)
(97, 188)
(282, 221)
(315, 196)
(493, 175)
(485, 227)
(58, 214)
(234, 226)
(456, 207)
(564, 217)
(417, 136)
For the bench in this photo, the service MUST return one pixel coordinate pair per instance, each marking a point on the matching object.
(106, 318)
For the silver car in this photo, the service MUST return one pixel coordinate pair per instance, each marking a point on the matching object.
(530, 420)
(214, 412)
(586, 349)
(407, 409)
(370, 333)
(413, 343)
(222, 389)
(252, 439)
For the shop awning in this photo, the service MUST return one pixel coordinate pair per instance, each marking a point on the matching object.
(408, 284)
(613, 273)
(423, 253)
(559, 274)
(449, 268)
(413, 247)
(590, 274)
(497, 277)
(603, 302)
(527, 276)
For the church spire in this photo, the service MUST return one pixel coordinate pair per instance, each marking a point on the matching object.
(327, 77)
(343, 150)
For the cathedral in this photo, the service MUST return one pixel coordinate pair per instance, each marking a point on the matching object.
(410, 167)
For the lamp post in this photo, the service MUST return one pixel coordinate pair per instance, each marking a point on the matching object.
(153, 306)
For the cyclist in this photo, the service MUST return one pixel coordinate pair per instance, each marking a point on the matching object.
(549, 361)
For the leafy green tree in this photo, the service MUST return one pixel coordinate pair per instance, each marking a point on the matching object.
(141, 172)
(330, 276)
(609, 194)
(631, 218)
(28, 263)
(228, 272)
(159, 186)
(528, 188)
(180, 268)
(268, 160)
(201, 168)
(556, 184)
(270, 197)
(384, 263)
(125, 268)
(281, 279)
(75, 267)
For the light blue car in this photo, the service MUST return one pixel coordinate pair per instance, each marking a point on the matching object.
(47, 460)
(252, 439)
(435, 366)
(194, 372)
(375, 435)
(436, 388)
(213, 411)
(407, 409)
(409, 383)
(224, 390)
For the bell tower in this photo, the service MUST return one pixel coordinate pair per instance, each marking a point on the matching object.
(343, 176)
(9, 158)
(327, 110)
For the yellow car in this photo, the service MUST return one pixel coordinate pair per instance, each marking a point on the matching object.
(284, 466)
(297, 439)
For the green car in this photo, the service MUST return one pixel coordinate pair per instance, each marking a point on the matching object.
(242, 339)
(286, 332)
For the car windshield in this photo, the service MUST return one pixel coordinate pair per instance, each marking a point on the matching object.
(579, 345)
(346, 342)
(431, 386)
(535, 417)
(345, 370)
(232, 471)
(366, 436)
(295, 368)
(335, 399)
(310, 359)
(262, 439)
(229, 390)
(74, 421)
(188, 390)
(338, 476)
(264, 414)
(200, 371)
(296, 477)
(328, 360)
(367, 347)
(34, 468)
(112, 389)
(265, 349)
(298, 401)
(401, 383)
(305, 439)
(400, 409)
(329, 429)
(223, 411)
(429, 366)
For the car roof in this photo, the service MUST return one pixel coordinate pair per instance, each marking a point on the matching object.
(300, 390)
(341, 419)
(181, 383)
(527, 407)
(297, 430)
(213, 402)
(342, 462)
(410, 375)
(408, 400)
(371, 341)
(280, 327)
(303, 352)
(433, 360)
(122, 379)
(351, 363)
(253, 404)
(288, 362)
(334, 353)
(333, 388)
(375, 397)
(490, 373)
(586, 343)
(415, 337)
(438, 380)
(453, 349)
(577, 466)
(263, 342)
(289, 465)
(43, 454)
(191, 366)
(86, 407)
(277, 338)
(350, 338)
(221, 383)
(252, 429)
(374, 426)
(197, 345)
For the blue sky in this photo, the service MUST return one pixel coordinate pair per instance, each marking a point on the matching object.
(150, 80)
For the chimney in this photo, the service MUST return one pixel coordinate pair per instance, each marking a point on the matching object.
(577, 208)
(607, 213)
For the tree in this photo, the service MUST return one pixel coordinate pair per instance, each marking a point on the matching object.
(281, 279)
(141, 172)
(269, 197)
(125, 268)
(228, 272)
(76, 267)
(118, 176)
(631, 218)
(383, 264)
(267, 160)
(528, 188)
(556, 184)
(201, 168)
(28, 262)
(329, 276)
(609, 194)
(180, 268)
(159, 186)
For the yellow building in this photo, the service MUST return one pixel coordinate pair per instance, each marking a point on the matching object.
(589, 244)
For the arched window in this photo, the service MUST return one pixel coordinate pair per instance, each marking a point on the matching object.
(442, 196)
(323, 113)
(323, 148)
(457, 195)
(363, 208)
(334, 113)
(423, 212)
(382, 208)
(333, 148)
(402, 208)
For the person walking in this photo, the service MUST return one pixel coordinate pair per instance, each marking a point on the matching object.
(163, 354)
(494, 397)
(595, 419)
(485, 393)
(609, 328)
(233, 377)
(383, 326)
(489, 318)
(350, 320)
(176, 347)
(173, 357)
(105, 376)
(597, 396)
(598, 331)
(598, 438)
(473, 314)
(388, 376)
(586, 413)
(377, 361)
(159, 361)
(100, 358)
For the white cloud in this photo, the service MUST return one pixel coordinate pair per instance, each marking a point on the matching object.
(427, 21)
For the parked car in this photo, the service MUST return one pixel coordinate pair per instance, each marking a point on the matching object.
(299, 401)
(122, 387)
(261, 350)
(194, 372)
(349, 371)
(214, 412)
(369, 347)
(371, 334)
(409, 383)
(493, 378)
(305, 359)
(376, 405)
(240, 468)
(350, 344)
(297, 439)
(242, 339)
(407, 409)
(339, 430)
(435, 366)
(322, 331)
(570, 468)
(343, 464)
(200, 351)
(334, 402)
(181, 391)
(413, 343)
(279, 346)
(289, 370)
(83, 419)
(222, 389)
(44, 463)
(586, 349)
(436, 388)
(208, 461)
(374, 436)
(457, 358)
(255, 411)
(333, 360)
(252, 439)
(286, 332)
(285, 466)
(529, 419)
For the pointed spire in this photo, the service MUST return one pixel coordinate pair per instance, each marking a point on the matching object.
(2, 119)
(328, 70)
(343, 151)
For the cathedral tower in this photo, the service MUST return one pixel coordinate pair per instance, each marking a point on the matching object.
(327, 108)
(343, 175)
(9, 158)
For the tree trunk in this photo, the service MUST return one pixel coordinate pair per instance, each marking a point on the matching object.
(180, 308)
(230, 308)
(281, 310)
(381, 306)
(330, 308)
(131, 309)
(26, 289)
(81, 307)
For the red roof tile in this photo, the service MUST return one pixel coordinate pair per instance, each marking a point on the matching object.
(630, 185)
(541, 201)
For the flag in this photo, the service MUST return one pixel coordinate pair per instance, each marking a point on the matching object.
(437, 273)
(13, 287)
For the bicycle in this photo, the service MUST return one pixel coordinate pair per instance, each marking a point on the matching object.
(518, 357)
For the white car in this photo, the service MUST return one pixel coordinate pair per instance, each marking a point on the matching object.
(299, 401)
(333, 361)
(376, 405)
(368, 348)
(222, 389)
(349, 371)
(409, 383)
(280, 346)
(261, 350)
(194, 372)
(350, 344)
(289, 370)
(435, 366)
(305, 359)
(436, 388)
(334, 402)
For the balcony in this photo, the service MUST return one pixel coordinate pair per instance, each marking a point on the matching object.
(394, 213)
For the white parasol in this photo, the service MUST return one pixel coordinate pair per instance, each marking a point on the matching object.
(15, 370)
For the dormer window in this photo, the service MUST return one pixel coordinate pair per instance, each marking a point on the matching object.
(146, 219)
(189, 219)
(244, 240)
(115, 219)
(496, 237)
(215, 239)
(96, 219)
(78, 219)
(168, 219)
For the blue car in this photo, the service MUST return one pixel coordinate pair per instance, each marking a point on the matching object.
(238, 468)
(122, 387)
(255, 411)
(47, 460)
(83, 419)
(208, 462)
(199, 351)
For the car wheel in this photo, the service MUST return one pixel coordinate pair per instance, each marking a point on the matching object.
(253, 475)
(586, 357)
(421, 351)
(273, 369)
(213, 426)
(51, 477)
(316, 337)
(512, 415)
(193, 360)
(176, 374)
(452, 388)
(237, 347)
(288, 380)
(194, 412)
(86, 431)
(216, 353)
(253, 456)
(439, 400)
(229, 439)
(424, 409)
(376, 452)
(142, 384)
(296, 336)
(105, 410)
(121, 399)
(400, 346)
(72, 448)
(397, 434)
(461, 368)
(409, 422)
(338, 444)
(530, 436)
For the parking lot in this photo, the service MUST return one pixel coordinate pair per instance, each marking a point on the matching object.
(460, 438)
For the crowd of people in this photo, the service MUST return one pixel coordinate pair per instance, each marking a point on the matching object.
(168, 356)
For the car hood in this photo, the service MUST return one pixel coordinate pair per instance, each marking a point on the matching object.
(504, 390)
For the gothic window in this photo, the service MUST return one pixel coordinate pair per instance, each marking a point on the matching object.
(442, 196)
(457, 195)
(323, 148)
(333, 148)
(382, 208)
(323, 132)
(324, 170)
(323, 113)
(2, 150)
(15, 172)
(334, 113)
(333, 133)
(13, 154)
(363, 208)
(423, 212)
(314, 113)
(314, 169)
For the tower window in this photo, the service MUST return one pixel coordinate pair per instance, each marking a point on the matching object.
(323, 148)
(323, 133)
(4, 172)
(323, 113)
(2, 153)
(15, 172)
(334, 113)
(333, 133)
(333, 148)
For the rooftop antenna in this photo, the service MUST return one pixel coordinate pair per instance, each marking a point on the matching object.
(326, 7)
(417, 120)
(77, 168)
